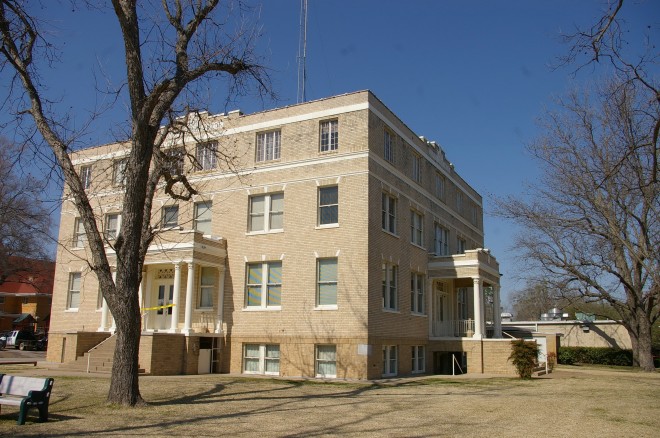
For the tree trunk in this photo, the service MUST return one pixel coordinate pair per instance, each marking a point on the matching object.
(641, 339)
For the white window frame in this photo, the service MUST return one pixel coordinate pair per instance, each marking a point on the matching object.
(416, 168)
(269, 146)
(417, 293)
(109, 233)
(333, 207)
(196, 218)
(418, 356)
(164, 213)
(416, 228)
(327, 282)
(440, 185)
(263, 359)
(461, 245)
(327, 361)
(462, 311)
(175, 160)
(119, 172)
(390, 277)
(71, 291)
(205, 288)
(388, 146)
(79, 235)
(390, 360)
(440, 240)
(268, 214)
(264, 287)
(389, 213)
(206, 155)
(86, 176)
(329, 136)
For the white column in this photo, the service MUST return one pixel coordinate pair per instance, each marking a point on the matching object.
(104, 316)
(498, 313)
(148, 320)
(478, 309)
(175, 299)
(187, 322)
(113, 328)
(140, 304)
(221, 298)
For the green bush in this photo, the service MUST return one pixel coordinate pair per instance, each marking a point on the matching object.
(523, 356)
(595, 356)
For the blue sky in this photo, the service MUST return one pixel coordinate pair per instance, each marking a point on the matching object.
(472, 75)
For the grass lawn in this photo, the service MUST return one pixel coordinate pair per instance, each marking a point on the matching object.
(573, 401)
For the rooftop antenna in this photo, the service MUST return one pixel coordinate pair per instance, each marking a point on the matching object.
(302, 52)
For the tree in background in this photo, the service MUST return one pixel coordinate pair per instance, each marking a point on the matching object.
(592, 226)
(170, 47)
(24, 220)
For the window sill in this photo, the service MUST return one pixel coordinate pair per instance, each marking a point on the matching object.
(322, 227)
(259, 233)
(321, 376)
(262, 309)
(327, 307)
(77, 248)
(71, 310)
(203, 309)
(423, 315)
(389, 375)
(391, 310)
(172, 228)
(390, 233)
(329, 152)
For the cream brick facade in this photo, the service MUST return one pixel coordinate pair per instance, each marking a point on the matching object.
(357, 329)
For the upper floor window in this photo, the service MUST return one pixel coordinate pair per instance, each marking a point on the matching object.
(461, 245)
(206, 155)
(266, 212)
(73, 296)
(390, 280)
(462, 303)
(79, 236)
(264, 285)
(119, 172)
(327, 282)
(416, 167)
(328, 205)
(206, 287)
(268, 146)
(170, 216)
(417, 296)
(441, 240)
(329, 135)
(175, 159)
(389, 213)
(416, 228)
(388, 146)
(112, 221)
(203, 217)
(459, 201)
(474, 214)
(439, 186)
(86, 176)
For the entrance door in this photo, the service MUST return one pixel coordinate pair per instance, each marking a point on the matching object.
(164, 314)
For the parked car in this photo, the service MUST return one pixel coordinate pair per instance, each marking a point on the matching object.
(21, 340)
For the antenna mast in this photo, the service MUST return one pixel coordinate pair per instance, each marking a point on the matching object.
(302, 52)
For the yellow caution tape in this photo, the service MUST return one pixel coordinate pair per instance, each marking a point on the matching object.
(157, 307)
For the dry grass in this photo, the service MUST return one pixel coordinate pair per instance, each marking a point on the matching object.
(573, 402)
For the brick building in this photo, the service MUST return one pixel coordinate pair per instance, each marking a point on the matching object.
(340, 245)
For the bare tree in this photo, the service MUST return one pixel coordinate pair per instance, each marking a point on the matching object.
(169, 47)
(24, 220)
(592, 226)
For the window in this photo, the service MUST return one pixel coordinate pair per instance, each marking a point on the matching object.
(389, 213)
(202, 219)
(112, 221)
(418, 359)
(328, 205)
(266, 213)
(73, 297)
(206, 155)
(389, 360)
(119, 172)
(264, 285)
(329, 135)
(170, 216)
(388, 146)
(327, 282)
(268, 146)
(416, 167)
(474, 210)
(326, 361)
(462, 302)
(79, 236)
(417, 296)
(460, 246)
(439, 186)
(175, 157)
(459, 201)
(416, 228)
(441, 240)
(261, 359)
(206, 286)
(389, 286)
(86, 176)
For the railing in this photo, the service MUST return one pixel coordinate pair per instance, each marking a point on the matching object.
(89, 353)
(457, 328)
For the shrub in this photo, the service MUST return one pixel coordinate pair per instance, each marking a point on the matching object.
(595, 356)
(523, 356)
(552, 360)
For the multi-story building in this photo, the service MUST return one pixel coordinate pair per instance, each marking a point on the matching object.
(337, 243)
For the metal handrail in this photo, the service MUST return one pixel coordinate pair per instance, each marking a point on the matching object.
(89, 353)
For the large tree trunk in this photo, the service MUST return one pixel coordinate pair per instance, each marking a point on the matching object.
(641, 339)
